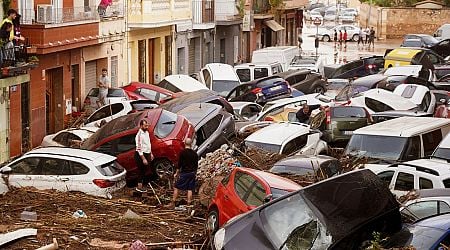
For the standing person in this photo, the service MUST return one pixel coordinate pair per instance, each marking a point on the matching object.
(367, 31)
(16, 26)
(300, 41)
(361, 37)
(372, 37)
(344, 37)
(103, 86)
(335, 38)
(185, 174)
(143, 155)
(340, 38)
(103, 6)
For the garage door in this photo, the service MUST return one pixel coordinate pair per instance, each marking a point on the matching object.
(90, 77)
(192, 56)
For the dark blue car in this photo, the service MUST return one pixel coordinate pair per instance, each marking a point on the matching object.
(261, 90)
(429, 233)
(359, 68)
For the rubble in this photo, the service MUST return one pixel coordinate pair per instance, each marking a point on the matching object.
(218, 163)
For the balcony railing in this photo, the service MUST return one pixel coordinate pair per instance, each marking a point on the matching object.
(203, 11)
(115, 10)
(261, 6)
(156, 12)
(226, 10)
(47, 14)
(14, 61)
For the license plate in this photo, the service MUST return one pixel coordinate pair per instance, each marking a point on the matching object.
(276, 88)
(348, 132)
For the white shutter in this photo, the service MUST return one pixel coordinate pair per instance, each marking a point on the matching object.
(90, 76)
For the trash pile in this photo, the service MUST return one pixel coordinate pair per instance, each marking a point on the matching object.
(218, 163)
(79, 221)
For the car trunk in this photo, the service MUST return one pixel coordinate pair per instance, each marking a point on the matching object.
(275, 89)
(344, 120)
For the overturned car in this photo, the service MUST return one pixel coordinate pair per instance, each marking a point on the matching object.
(339, 213)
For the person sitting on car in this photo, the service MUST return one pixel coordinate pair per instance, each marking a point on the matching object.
(304, 114)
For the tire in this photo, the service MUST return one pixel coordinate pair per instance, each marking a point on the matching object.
(163, 167)
(318, 89)
(326, 38)
(212, 221)
(355, 37)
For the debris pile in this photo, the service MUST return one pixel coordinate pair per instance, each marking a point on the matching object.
(258, 158)
(116, 222)
(218, 163)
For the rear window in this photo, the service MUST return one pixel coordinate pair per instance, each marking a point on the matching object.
(169, 86)
(111, 92)
(269, 82)
(376, 105)
(110, 169)
(166, 124)
(346, 112)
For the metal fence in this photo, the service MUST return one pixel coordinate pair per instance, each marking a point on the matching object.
(203, 11)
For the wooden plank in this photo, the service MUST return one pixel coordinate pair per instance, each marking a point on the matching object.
(15, 235)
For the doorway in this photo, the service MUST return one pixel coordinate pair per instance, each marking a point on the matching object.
(222, 50)
(25, 116)
(54, 100)
(75, 71)
(151, 60)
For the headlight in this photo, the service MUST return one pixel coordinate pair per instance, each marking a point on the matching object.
(219, 238)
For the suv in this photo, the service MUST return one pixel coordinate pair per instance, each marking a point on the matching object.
(363, 67)
(114, 95)
(213, 126)
(167, 130)
(65, 169)
(305, 81)
(250, 71)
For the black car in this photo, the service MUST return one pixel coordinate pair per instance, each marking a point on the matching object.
(392, 114)
(304, 80)
(424, 40)
(363, 67)
(261, 90)
(338, 213)
(442, 48)
(204, 95)
(320, 166)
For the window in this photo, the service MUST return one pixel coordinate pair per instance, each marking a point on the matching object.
(105, 148)
(110, 169)
(425, 183)
(295, 144)
(225, 180)
(386, 176)
(211, 126)
(377, 106)
(299, 78)
(404, 182)
(430, 141)
(425, 104)
(166, 124)
(433, 58)
(409, 91)
(207, 78)
(52, 166)
(169, 86)
(61, 138)
(148, 93)
(446, 183)
(260, 72)
(105, 112)
(276, 69)
(78, 168)
(125, 143)
(242, 184)
(412, 151)
(249, 111)
(256, 195)
(244, 75)
(27, 166)
(142, 55)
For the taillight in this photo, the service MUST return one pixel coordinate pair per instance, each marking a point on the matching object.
(102, 183)
(371, 66)
(256, 91)
(269, 119)
(328, 115)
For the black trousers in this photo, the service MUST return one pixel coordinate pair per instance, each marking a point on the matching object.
(143, 178)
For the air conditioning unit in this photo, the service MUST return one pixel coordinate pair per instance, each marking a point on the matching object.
(45, 13)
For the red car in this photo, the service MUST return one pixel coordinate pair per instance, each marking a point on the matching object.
(167, 134)
(243, 190)
(144, 91)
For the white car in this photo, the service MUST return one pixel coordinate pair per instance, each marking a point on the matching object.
(65, 169)
(379, 100)
(114, 95)
(68, 137)
(311, 62)
(418, 174)
(112, 111)
(346, 17)
(411, 70)
(246, 110)
(287, 138)
(430, 202)
(352, 32)
(181, 83)
(330, 15)
(419, 95)
(352, 11)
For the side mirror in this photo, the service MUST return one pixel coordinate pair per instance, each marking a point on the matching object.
(268, 198)
(5, 170)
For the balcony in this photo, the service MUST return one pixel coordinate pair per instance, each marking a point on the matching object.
(116, 10)
(16, 62)
(112, 24)
(203, 14)
(226, 10)
(261, 7)
(158, 13)
(46, 14)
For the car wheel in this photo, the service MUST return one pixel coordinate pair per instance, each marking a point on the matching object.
(326, 38)
(163, 167)
(318, 89)
(355, 37)
(212, 222)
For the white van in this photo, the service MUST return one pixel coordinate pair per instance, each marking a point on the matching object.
(443, 32)
(248, 71)
(219, 77)
(399, 139)
(281, 54)
(180, 83)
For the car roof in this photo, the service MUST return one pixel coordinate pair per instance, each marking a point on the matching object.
(274, 181)
(83, 132)
(297, 160)
(289, 73)
(278, 133)
(403, 126)
(249, 65)
(95, 157)
(195, 113)
(439, 221)
(401, 113)
(150, 86)
(185, 82)
(403, 70)
(393, 100)
(436, 192)
(259, 80)
(202, 95)
(222, 71)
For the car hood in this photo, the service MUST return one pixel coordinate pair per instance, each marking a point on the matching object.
(369, 81)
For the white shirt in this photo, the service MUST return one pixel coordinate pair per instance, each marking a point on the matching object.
(143, 142)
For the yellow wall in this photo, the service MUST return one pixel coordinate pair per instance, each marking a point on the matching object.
(4, 127)
(159, 35)
(159, 11)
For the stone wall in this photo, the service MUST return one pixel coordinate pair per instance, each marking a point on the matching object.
(396, 22)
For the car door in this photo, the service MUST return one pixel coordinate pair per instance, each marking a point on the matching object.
(54, 174)
(403, 183)
(24, 173)
(79, 178)
(208, 137)
(422, 209)
(106, 113)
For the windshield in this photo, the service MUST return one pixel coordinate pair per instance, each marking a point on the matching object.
(265, 146)
(223, 87)
(288, 228)
(303, 60)
(166, 124)
(442, 153)
(277, 193)
(346, 112)
(376, 146)
(417, 236)
(429, 40)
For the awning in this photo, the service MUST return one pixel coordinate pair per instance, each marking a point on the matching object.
(273, 25)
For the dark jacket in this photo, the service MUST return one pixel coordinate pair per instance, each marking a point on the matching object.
(304, 117)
